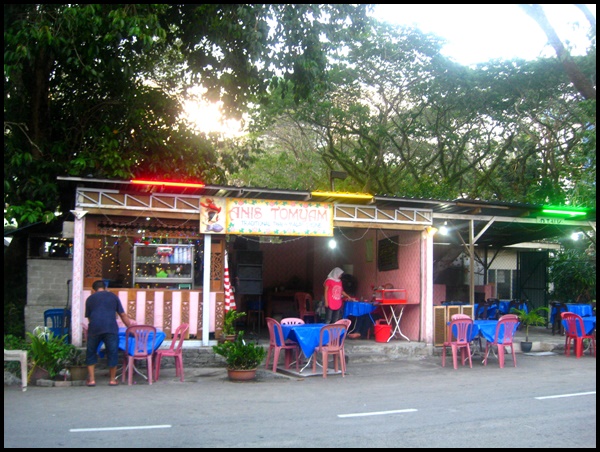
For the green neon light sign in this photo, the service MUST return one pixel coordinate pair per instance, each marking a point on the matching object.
(564, 210)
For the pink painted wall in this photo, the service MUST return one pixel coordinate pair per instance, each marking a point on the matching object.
(439, 294)
(309, 259)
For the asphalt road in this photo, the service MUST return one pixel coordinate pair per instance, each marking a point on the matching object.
(547, 401)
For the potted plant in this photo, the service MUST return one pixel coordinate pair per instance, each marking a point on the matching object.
(242, 358)
(535, 317)
(46, 352)
(229, 320)
(74, 363)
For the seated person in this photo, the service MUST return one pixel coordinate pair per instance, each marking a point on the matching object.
(363, 323)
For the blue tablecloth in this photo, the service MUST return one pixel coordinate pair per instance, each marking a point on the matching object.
(487, 328)
(307, 336)
(589, 323)
(455, 303)
(584, 310)
(358, 308)
(160, 337)
(491, 310)
(474, 330)
(504, 306)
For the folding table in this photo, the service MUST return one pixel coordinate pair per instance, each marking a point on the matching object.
(392, 302)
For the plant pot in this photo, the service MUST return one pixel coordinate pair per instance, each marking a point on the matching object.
(241, 375)
(78, 373)
(526, 346)
(38, 373)
(226, 338)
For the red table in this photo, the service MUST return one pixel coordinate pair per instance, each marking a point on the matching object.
(392, 302)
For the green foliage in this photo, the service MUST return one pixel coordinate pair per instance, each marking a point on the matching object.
(74, 357)
(96, 89)
(573, 274)
(535, 317)
(512, 131)
(240, 355)
(48, 351)
(15, 287)
(229, 320)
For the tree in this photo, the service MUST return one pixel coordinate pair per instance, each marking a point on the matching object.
(573, 275)
(578, 78)
(401, 119)
(95, 89)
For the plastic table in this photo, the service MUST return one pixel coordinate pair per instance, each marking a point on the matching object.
(583, 310)
(392, 313)
(357, 309)
(589, 323)
(306, 335)
(160, 337)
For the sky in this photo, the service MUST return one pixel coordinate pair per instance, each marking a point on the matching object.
(480, 33)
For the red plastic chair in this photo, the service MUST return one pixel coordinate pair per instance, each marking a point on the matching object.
(141, 340)
(334, 345)
(505, 330)
(277, 343)
(305, 305)
(575, 332)
(175, 350)
(461, 328)
(292, 321)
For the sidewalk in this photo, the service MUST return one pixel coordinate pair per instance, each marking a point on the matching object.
(201, 362)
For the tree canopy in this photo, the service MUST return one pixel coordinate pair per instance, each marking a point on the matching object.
(94, 89)
(400, 119)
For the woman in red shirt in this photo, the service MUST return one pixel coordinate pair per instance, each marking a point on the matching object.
(334, 292)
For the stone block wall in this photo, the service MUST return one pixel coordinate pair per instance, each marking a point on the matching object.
(46, 288)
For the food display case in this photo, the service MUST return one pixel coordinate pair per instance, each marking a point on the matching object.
(391, 296)
(163, 266)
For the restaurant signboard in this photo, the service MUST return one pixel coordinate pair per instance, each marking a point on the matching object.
(277, 217)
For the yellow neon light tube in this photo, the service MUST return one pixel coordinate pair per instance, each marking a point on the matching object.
(167, 183)
(335, 194)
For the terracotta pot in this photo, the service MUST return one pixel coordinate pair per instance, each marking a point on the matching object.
(241, 375)
(78, 373)
(228, 338)
(38, 373)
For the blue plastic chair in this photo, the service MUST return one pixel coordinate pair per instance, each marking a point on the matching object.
(57, 320)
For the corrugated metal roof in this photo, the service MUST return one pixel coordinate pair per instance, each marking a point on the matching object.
(491, 223)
